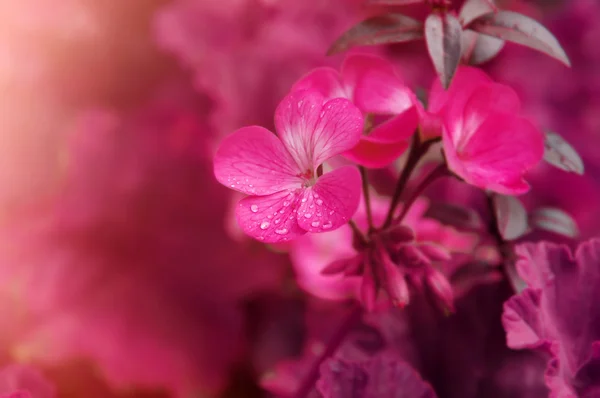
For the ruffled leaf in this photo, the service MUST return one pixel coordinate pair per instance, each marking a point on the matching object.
(443, 34)
(520, 29)
(555, 220)
(478, 48)
(383, 29)
(511, 216)
(561, 154)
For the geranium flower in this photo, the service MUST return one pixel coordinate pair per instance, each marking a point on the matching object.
(373, 84)
(486, 142)
(289, 196)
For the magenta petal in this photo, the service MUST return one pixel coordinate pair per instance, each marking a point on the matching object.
(375, 155)
(253, 161)
(522, 322)
(313, 130)
(326, 81)
(332, 201)
(398, 128)
(465, 81)
(377, 87)
(270, 218)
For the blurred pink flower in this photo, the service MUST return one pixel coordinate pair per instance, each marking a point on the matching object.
(281, 173)
(22, 381)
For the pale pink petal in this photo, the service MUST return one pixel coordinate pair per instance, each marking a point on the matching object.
(464, 83)
(326, 81)
(377, 87)
(270, 218)
(313, 130)
(332, 201)
(254, 161)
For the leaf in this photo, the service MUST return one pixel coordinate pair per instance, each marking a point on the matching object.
(393, 2)
(382, 29)
(561, 154)
(478, 48)
(555, 220)
(511, 216)
(458, 216)
(520, 29)
(443, 35)
(473, 9)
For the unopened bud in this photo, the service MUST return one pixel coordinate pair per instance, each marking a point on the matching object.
(441, 288)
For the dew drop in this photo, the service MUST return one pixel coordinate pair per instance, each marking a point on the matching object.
(275, 213)
(315, 224)
(319, 214)
(269, 216)
(281, 231)
(232, 185)
(316, 195)
(327, 225)
(254, 208)
(264, 225)
(250, 185)
(331, 212)
(319, 202)
(307, 215)
(277, 221)
(286, 204)
(311, 206)
(303, 200)
(291, 217)
(281, 211)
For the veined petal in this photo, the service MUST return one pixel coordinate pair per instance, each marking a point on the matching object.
(377, 87)
(254, 161)
(313, 130)
(270, 218)
(332, 201)
(326, 81)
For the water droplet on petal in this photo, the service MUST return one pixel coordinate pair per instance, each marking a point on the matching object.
(303, 200)
(250, 185)
(331, 212)
(254, 208)
(327, 225)
(264, 225)
(281, 211)
(316, 195)
(311, 206)
(232, 185)
(315, 224)
(286, 204)
(319, 202)
(277, 221)
(281, 231)
(307, 215)
(269, 216)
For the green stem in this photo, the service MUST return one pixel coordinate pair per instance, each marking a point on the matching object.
(365, 186)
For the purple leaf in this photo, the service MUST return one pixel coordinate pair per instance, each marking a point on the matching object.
(458, 216)
(473, 9)
(443, 34)
(555, 220)
(561, 154)
(511, 216)
(518, 28)
(383, 29)
(384, 376)
(393, 2)
(478, 48)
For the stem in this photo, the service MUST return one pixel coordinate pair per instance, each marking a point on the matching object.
(503, 246)
(365, 186)
(334, 343)
(440, 171)
(417, 150)
(358, 233)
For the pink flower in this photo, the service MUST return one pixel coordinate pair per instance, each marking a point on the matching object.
(22, 381)
(289, 196)
(374, 86)
(486, 142)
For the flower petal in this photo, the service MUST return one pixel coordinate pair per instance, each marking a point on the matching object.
(253, 161)
(270, 218)
(313, 130)
(332, 201)
(326, 81)
(377, 87)
(464, 83)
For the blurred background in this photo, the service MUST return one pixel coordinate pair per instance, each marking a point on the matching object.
(122, 272)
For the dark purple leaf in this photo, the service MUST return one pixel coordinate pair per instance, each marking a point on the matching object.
(443, 34)
(383, 29)
(511, 216)
(385, 376)
(555, 220)
(393, 2)
(458, 216)
(561, 154)
(518, 28)
(478, 48)
(473, 9)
